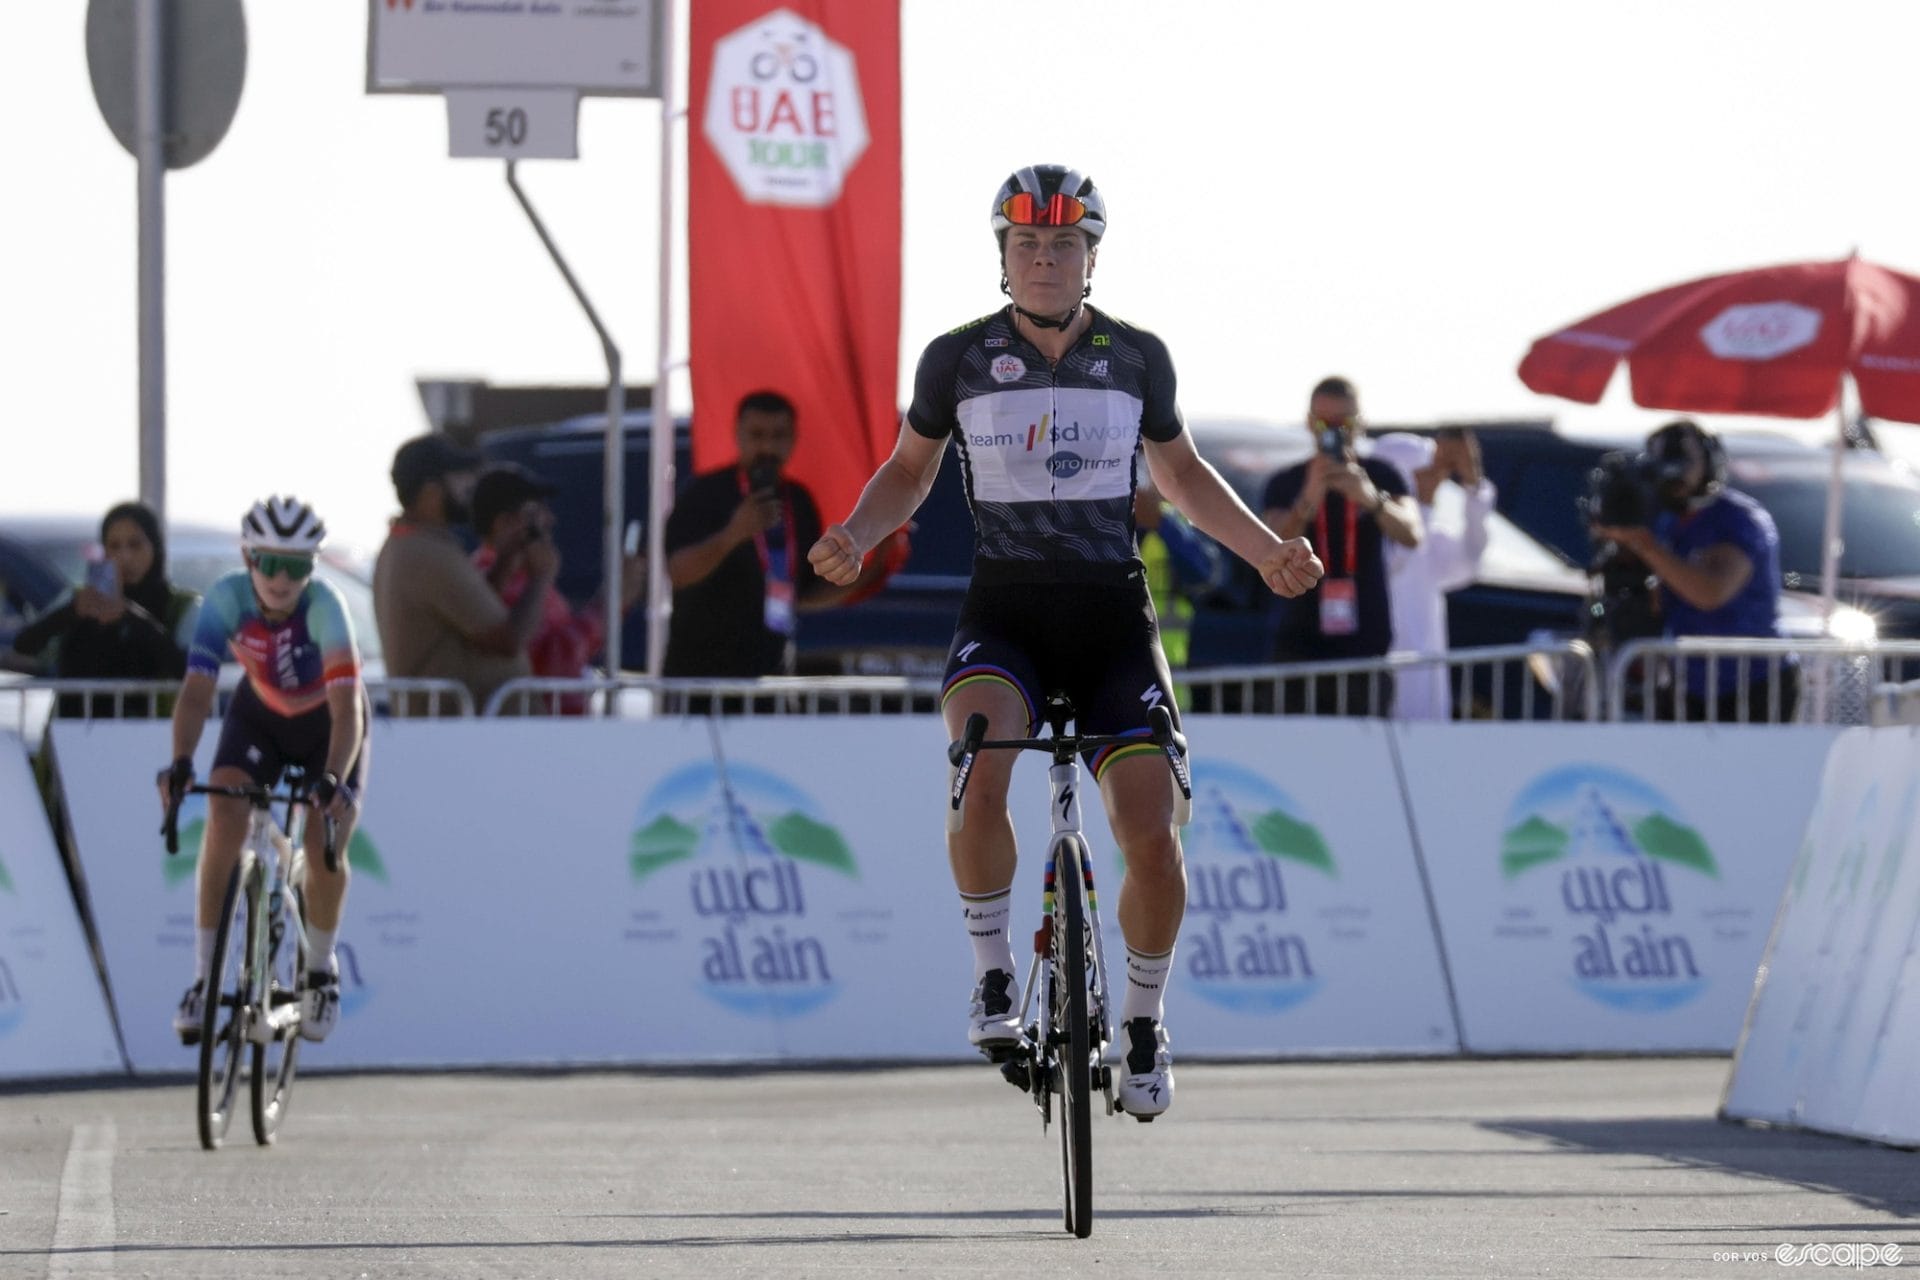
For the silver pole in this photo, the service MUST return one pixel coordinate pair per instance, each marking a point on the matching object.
(149, 96)
(613, 513)
(1830, 547)
(660, 449)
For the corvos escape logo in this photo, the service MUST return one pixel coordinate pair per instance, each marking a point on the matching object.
(1258, 872)
(1597, 860)
(764, 875)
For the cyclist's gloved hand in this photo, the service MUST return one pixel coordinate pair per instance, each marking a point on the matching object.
(174, 780)
(333, 797)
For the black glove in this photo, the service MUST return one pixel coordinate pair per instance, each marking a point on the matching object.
(326, 789)
(178, 776)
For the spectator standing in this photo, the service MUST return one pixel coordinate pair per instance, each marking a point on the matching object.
(1447, 558)
(1716, 554)
(737, 555)
(439, 617)
(1182, 565)
(1349, 507)
(127, 622)
(510, 512)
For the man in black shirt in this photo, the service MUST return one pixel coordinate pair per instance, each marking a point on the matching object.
(1345, 505)
(737, 555)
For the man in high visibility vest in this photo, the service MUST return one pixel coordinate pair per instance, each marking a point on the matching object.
(1182, 564)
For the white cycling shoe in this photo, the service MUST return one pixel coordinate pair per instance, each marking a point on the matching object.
(191, 1016)
(1146, 1090)
(320, 1003)
(993, 1024)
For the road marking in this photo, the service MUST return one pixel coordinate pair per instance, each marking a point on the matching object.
(83, 1225)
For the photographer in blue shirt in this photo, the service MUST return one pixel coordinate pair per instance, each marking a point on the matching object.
(1716, 555)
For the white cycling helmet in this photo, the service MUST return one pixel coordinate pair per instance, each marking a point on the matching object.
(1050, 195)
(282, 524)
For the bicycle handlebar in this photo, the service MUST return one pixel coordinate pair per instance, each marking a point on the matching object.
(259, 797)
(973, 740)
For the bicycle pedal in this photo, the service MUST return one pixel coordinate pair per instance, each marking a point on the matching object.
(1016, 1073)
(1001, 1052)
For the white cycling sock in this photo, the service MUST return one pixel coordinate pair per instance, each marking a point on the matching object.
(988, 918)
(1146, 985)
(320, 948)
(202, 953)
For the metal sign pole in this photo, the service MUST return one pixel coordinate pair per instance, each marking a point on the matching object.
(613, 513)
(665, 430)
(149, 79)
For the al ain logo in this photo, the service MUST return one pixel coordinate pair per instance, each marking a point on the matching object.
(1249, 852)
(749, 850)
(1619, 851)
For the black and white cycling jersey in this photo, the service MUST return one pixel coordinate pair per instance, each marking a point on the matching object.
(1050, 451)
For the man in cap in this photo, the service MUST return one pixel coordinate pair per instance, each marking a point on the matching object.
(511, 514)
(439, 617)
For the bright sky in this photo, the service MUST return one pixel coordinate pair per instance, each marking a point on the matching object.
(1407, 193)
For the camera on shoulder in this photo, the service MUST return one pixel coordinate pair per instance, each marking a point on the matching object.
(1621, 491)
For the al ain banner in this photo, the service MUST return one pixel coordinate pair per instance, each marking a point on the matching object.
(793, 234)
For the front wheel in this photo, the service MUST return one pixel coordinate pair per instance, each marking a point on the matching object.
(1074, 1037)
(224, 1026)
(275, 1058)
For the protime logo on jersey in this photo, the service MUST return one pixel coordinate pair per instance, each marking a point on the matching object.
(783, 111)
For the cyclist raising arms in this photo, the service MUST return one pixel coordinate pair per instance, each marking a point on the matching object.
(301, 703)
(1051, 404)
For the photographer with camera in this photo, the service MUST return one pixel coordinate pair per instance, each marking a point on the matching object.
(511, 515)
(1715, 554)
(737, 556)
(1350, 507)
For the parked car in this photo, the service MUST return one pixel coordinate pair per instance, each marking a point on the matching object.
(197, 555)
(29, 583)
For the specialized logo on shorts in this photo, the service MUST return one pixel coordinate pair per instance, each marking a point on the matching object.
(1008, 368)
(765, 876)
(1152, 696)
(1618, 865)
(967, 650)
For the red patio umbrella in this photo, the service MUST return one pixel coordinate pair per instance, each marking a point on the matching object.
(1778, 341)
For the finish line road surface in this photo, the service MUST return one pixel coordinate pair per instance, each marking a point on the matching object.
(1458, 1168)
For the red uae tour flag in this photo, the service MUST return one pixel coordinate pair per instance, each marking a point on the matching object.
(793, 236)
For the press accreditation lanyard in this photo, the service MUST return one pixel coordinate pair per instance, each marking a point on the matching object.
(1339, 596)
(1350, 545)
(778, 612)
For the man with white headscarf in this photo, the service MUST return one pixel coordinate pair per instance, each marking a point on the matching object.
(1419, 577)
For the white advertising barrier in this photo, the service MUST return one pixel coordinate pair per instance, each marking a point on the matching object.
(1307, 929)
(53, 1012)
(1607, 889)
(798, 891)
(1832, 1040)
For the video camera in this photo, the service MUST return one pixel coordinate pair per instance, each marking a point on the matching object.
(1332, 439)
(1623, 491)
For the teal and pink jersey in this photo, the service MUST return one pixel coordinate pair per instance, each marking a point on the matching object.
(289, 663)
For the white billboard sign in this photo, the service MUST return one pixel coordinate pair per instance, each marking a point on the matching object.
(53, 1012)
(1607, 889)
(592, 46)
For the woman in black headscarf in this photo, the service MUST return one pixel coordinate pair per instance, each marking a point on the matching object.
(139, 630)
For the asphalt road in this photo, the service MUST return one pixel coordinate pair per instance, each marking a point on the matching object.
(1488, 1169)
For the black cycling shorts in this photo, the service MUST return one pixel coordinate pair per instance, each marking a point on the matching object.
(1097, 644)
(263, 742)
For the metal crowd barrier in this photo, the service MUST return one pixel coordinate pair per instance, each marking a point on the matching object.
(27, 704)
(1826, 681)
(639, 696)
(1555, 680)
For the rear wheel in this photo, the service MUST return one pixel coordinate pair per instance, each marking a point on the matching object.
(1075, 1039)
(274, 1060)
(223, 1030)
